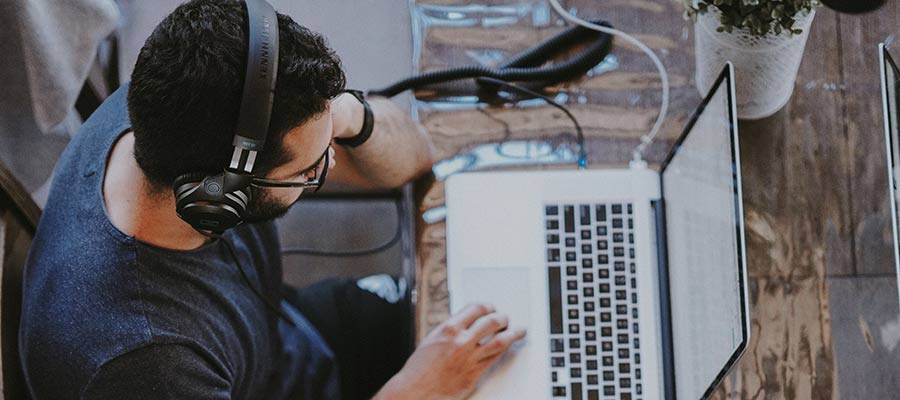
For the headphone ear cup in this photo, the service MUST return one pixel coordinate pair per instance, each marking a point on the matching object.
(193, 178)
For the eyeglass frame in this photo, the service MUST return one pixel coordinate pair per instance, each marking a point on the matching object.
(315, 183)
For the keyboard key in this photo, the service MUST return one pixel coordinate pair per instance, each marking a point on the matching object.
(630, 223)
(637, 374)
(607, 361)
(631, 238)
(602, 245)
(604, 288)
(604, 273)
(625, 396)
(558, 362)
(618, 237)
(557, 345)
(624, 368)
(571, 256)
(586, 234)
(617, 223)
(621, 309)
(590, 350)
(631, 253)
(552, 224)
(633, 270)
(592, 380)
(552, 238)
(617, 209)
(625, 383)
(593, 394)
(601, 230)
(619, 251)
(569, 219)
(634, 328)
(604, 302)
(588, 292)
(573, 299)
(591, 365)
(609, 390)
(555, 300)
(587, 277)
(606, 346)
(601, 213)
(634, 298)
(637, 358)
(573, 313)
(584, 215)
(634, 313)
(576, 391)
(590, 335)
(589, 306)
(609, 376)
(590, 321)
(575, 372)
(570, 242)
(633, 283)
(585, 249)
(552, 254)
(571, 270)
(572, 285)
(605, 317)
(574, 358)
(553, 376)
(624, 352)
(638, 389)
(574, 328)
(620, 280)
(586, 263)
(622, 324)
(551, 210)
(619, 266)
(602, 259)
(574, 343)
(606, 331)
(621, 295)
(559, 391)
(629, 209)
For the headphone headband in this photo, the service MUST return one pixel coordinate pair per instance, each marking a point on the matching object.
(259, 85)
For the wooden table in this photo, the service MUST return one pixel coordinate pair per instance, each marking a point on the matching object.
(814, 173)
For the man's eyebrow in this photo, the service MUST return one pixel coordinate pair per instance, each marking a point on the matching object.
(315, 164)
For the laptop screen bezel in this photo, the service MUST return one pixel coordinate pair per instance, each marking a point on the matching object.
(725, 77)
(885, 61)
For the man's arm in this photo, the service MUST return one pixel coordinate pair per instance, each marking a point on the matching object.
(398, 150)
(156, 372)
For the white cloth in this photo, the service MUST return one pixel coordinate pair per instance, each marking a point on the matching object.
(59, 40)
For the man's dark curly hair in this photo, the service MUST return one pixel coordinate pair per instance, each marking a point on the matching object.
(186, 89)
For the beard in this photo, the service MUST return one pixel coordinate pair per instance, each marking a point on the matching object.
(263, 207)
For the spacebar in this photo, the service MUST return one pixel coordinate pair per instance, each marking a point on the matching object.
(556, 324)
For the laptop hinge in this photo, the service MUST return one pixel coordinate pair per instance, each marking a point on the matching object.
(665, 310)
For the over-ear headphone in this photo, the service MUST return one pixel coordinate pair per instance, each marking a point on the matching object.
(212, 204)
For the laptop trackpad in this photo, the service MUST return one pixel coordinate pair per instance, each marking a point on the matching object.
(506, 288)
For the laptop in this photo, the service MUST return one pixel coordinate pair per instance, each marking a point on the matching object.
(631, 283)
(890, 82)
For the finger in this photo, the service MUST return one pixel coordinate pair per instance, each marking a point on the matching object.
(485, 326)
(469, 314)
(500, 343)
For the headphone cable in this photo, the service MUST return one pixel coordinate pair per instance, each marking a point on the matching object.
(398, 233)
(274, 309)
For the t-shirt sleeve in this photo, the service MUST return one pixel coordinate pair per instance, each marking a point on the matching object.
(158, 372)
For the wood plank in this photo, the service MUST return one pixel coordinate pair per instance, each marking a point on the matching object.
(870, 209)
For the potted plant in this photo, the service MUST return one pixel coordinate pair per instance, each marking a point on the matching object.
(764, 39)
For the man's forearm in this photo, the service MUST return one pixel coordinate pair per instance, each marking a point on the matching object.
(398, 150)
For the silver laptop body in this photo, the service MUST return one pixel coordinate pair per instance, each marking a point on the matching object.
(631, 283)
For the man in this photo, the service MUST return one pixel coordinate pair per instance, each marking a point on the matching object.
(124, 300)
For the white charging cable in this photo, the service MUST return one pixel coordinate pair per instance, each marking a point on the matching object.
(637, 154)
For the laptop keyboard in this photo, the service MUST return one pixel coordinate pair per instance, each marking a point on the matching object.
(594, 345)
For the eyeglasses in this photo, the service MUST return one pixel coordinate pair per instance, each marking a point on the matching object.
(315, 182)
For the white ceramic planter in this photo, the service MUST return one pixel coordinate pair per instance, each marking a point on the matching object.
(765, 67)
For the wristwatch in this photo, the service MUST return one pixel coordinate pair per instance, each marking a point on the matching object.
(368, 123)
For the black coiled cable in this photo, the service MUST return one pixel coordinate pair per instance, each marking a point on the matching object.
(525, 66)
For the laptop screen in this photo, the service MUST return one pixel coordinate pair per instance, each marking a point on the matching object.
(704, 230)
(890, 82)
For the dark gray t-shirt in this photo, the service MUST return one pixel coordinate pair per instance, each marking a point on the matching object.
(108, 317)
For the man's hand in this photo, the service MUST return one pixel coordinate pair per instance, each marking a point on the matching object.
(452, 359)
